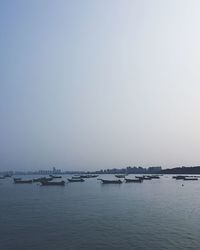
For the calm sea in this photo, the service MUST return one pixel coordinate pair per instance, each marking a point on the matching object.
(157, 214)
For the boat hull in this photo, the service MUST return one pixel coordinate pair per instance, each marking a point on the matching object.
(111, 181)
(133, 180)
(120, 175)
(23, 182)
(43, 179)
(55, 176)
(51, 183)
(76, 180)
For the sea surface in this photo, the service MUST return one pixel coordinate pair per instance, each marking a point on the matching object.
(157, 214)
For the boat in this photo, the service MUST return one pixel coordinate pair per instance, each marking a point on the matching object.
(95, 175)
(2, 177)
(43, 179)
(155, 176)
(7, 175)
(76, 180)
(52, 183)
(17, 179)
(55, 176)
(38, 179)
(190, 179)
(139, 177)
(120, 175)
(111, 181)
(23, 181)
(180, 177)
(134, 180)
(88, 176)
(146, 177)
(76, 177)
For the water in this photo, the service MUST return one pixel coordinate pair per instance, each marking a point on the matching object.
(157, 214)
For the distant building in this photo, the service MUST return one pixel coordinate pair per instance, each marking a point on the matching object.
(56, 171)
(154, 170)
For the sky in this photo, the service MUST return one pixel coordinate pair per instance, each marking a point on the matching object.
(97, 84)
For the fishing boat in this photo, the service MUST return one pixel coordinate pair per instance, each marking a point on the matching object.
(120, 175)
(180, 177)
(76, 177)
(38, 179)
(147, 177)
(55, 176)
(139, 177)
(23, 181)
(52, 183)
(43, 179)
(111, 181)
(155, 176)
(134, 180)
(7, 175)
(84, 176)
(76, 180)
(17, 179)
(190, 179)
(94, 175)
(88, 176)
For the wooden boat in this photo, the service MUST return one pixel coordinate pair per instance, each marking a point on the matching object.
(120, 175)
(190, 179)
(38, 179)
(147, 177)
(43, 179)
(179, 177)
(84, 176)
(155, 177)
(88, 176)
(134, 180)
(55, 176)
(52, 183)
(7, 175)
(76, 177)
(111, 181)
(17, 179)
(23, 181)
(76, 180)
(139, 177)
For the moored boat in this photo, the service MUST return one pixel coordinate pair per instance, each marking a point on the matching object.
(147, 177)
(111, 181)
(139, 177)
(17, 179)
(7, 175)
(190, 179)
(180, 177)
(134, 180)
(52, 183)
(155, 176)
(23, 181)
(76, 180)
(120, 175)
(76, 177)
(88, 176)
(94, 175)
(55, 176)
(43, 179)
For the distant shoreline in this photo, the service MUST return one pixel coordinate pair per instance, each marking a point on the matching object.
(128, 170)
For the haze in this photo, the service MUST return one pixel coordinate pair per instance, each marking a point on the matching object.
(99, 84)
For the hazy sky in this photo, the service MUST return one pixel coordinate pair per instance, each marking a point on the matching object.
(99, 84)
